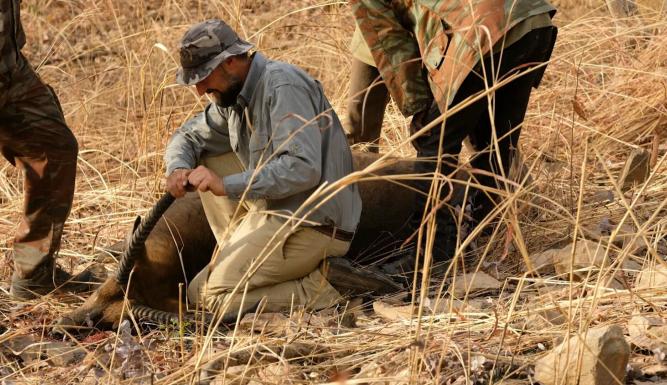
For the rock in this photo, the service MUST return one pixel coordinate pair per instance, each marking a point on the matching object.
(636, 170)
(540, 262)
(474, 283)
(648, 333)
(388, 311)
(604, 358)
(645, 366)
(470, 305)
(547, 318)
(587, 254)
(627, 239)
(631, 266)
(652, 277)
(56, 353)
(622, 8)
(654, 370)
(626, 236)
(393, 313)
(63, 354)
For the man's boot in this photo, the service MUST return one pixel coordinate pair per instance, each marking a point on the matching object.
(49, 277)
(351, 281)
(446, 234)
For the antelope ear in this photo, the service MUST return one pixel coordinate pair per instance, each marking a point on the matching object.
(136, 224)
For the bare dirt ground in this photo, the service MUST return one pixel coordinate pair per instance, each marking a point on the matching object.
(604, 95)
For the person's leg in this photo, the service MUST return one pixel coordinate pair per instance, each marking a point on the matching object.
(366, 106)
(35, 138)
(497, 144)
(274, 261)
(222, 213)
(456, 129)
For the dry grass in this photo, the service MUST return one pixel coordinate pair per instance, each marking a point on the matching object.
(604, 94)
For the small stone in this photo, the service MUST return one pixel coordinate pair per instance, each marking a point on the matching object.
(62, 354)
(652, 277)
(648, 333)
(393, 313)
(604, 359)
(636, 170)
(473, 283)
(546, 318)
(31, 349)
(445, 305)
(587, 255)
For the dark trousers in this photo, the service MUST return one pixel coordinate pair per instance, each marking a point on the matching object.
(35, 138)
(509, 109)
(367, 102)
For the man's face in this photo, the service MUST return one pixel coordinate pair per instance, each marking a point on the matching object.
(222, 86)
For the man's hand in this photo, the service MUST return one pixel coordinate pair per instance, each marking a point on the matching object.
(204, 180)
(177, 182)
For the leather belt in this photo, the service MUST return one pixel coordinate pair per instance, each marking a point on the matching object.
(334, 232)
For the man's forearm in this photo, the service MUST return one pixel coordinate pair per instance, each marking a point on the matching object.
(179, 154)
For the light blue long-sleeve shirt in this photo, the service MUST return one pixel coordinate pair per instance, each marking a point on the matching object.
(292, 124)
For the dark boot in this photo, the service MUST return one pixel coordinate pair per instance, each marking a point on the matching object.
(444, 247)
(351, 281)
(50, 277)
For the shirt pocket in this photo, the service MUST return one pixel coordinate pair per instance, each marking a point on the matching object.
(259, 148)
(433, 39)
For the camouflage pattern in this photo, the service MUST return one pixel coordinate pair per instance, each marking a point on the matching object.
(443, 40)
(35, 138)
(12, 39)
(204, 47)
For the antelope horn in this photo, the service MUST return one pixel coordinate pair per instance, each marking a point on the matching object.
(141, 232)
(161, 316)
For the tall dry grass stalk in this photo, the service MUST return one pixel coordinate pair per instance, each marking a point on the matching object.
(605, 93)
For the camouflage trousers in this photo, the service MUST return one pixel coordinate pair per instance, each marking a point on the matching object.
(35, 138)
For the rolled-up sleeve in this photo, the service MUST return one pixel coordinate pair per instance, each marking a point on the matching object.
(296, 164)
(206, 133)
(396, 54)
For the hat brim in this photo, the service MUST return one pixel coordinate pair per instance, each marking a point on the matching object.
(192, 76)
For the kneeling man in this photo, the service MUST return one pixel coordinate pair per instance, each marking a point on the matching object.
(268, 140)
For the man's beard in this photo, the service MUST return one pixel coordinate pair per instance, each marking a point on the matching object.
(227, 98)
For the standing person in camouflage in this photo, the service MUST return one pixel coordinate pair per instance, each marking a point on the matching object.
(435, 55)
(368, 97)
(35, 138)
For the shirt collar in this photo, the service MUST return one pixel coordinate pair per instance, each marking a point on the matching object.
(252, 79)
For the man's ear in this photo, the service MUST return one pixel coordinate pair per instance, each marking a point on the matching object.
(228, 63)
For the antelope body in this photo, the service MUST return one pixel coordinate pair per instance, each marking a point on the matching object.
(182, 243)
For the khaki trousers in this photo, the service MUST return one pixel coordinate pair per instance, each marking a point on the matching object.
(257, 248)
